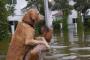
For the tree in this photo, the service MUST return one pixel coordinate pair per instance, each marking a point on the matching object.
(3, 21)
(82, 5)
(37, 3)
(61, 4)
(11, 6)
(64, 6)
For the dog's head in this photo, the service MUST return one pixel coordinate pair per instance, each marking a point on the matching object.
(32, 16)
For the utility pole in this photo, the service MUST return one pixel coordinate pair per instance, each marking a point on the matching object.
(46, 11)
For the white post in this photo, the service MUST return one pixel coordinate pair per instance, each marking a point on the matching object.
(75, 27)
(12, 29)
(82, 17)
(61, 31)
(61, 26)
(46, 11)
(12, 1)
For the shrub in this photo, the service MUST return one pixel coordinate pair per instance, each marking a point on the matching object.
(3, 21)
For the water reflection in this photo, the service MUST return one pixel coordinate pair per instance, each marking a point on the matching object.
(76, 47)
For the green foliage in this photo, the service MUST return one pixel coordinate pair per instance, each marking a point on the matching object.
(61, 4)
(38, 27)
(65, 17)
(3, 21)
(87, 23)
(11, 9)
(11, 1)
(65, 27)
(11, 6)
(4, 44)
(80, 29)
(56, 25)
(38, 3)
(82, 5)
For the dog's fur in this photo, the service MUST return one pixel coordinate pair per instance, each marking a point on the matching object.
(23, 36)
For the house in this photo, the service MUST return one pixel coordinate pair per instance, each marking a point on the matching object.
(87, 14)
(71, 2)
(87, 17)
(53, 15)
(58, 15)
(72, 16)
(18, 14)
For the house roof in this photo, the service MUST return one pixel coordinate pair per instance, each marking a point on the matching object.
(58, 14)
(15, 18)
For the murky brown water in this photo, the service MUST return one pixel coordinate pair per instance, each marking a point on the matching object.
(77, 47)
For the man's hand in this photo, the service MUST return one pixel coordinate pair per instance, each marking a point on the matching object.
(43, 41)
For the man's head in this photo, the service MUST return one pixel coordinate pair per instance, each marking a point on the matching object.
(32, 16)
(47, 33)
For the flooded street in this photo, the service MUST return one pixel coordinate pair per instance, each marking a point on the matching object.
(69, 19)
(76, 47)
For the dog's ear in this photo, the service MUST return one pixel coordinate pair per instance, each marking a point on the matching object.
(33, 15)
(29, 18)
(26, 19)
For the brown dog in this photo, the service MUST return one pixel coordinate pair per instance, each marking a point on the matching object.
(24, 36)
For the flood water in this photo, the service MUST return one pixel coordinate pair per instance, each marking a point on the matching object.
(72, 46)
(76, 47)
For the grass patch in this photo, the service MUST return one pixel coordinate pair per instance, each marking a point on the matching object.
(4, 46)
